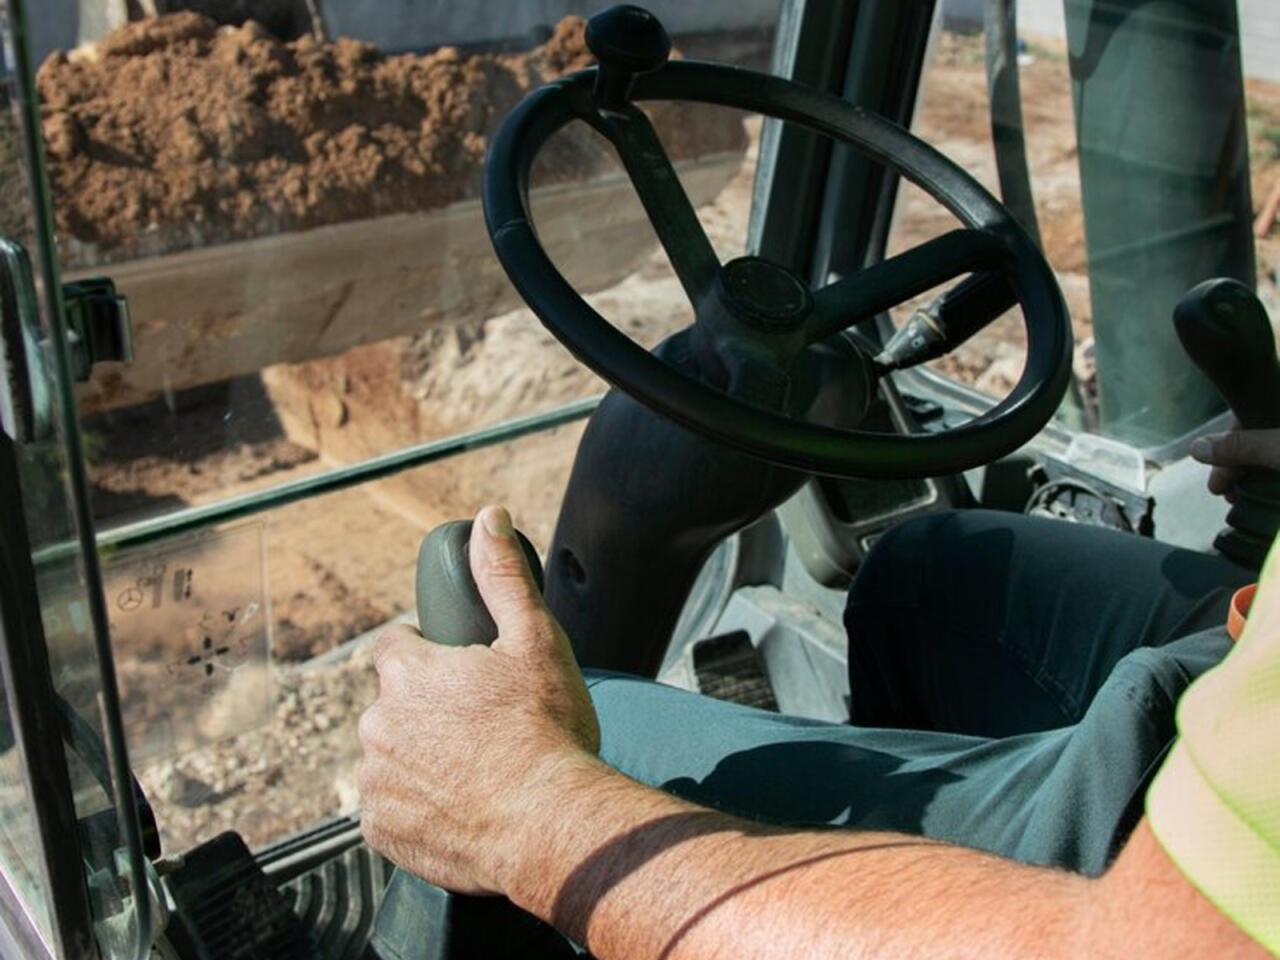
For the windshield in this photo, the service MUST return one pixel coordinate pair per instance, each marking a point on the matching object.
(291, 206)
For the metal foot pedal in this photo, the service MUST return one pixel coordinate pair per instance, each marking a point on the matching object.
(227, 909)
(728, 667)
(337, 902)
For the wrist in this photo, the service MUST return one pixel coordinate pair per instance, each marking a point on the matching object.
(547, 809)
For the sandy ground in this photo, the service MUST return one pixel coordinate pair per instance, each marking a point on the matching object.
(341, 564)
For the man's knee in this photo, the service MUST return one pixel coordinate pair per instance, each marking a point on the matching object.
(954, 557)
(895, 572)
(937, 579)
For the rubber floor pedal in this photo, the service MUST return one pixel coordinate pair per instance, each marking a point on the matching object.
(728, 667)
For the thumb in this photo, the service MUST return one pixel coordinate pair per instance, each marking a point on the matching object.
(505, 582)
(1239, 448)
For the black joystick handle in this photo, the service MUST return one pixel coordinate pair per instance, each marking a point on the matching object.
(450, 609)
(627, 41)
(1225, 330)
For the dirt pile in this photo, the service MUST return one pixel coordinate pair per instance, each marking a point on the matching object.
(174, 132)
(296, 770)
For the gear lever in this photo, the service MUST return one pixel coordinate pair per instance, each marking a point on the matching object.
(450, 610)
(1225, 330)
(416, 920)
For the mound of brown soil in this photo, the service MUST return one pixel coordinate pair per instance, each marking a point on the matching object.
(174, 132)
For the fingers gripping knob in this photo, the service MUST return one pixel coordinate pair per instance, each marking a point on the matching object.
(627, 41)
(450, 609)
(416, 919)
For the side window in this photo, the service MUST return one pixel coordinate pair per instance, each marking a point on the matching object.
(1261, 39)
(41, 459)
(292, 208)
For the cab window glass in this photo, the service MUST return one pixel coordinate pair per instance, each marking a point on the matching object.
(292, 209)
(1127, 272)
(42, 461)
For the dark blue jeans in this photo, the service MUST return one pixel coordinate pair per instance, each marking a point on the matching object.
(1013, 689)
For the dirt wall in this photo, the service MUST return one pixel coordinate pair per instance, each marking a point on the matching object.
(176, 132)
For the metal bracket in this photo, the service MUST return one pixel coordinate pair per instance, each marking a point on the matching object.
(99, 327)
(26, 387)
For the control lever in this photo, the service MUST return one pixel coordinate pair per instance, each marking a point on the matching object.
(417, 920)
(450, 610)
(1225, 330)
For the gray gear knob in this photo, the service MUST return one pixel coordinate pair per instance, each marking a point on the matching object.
(450, 609)
(418, 921)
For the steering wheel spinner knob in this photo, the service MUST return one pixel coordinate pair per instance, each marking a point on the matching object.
(627, 41)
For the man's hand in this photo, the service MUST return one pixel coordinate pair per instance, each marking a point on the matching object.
(461, 739)
(1235, 451)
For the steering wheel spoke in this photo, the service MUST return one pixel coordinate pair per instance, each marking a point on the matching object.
(665, 202)
(867, 293)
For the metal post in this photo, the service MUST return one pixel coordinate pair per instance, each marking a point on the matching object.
(1164, 170)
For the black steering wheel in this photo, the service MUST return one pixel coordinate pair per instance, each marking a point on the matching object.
(755, 316)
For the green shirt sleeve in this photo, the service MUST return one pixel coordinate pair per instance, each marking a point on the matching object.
(1215, 804)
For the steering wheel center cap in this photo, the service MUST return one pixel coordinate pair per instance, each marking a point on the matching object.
(763, 295)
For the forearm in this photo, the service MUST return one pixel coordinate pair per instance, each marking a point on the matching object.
(635, 873)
